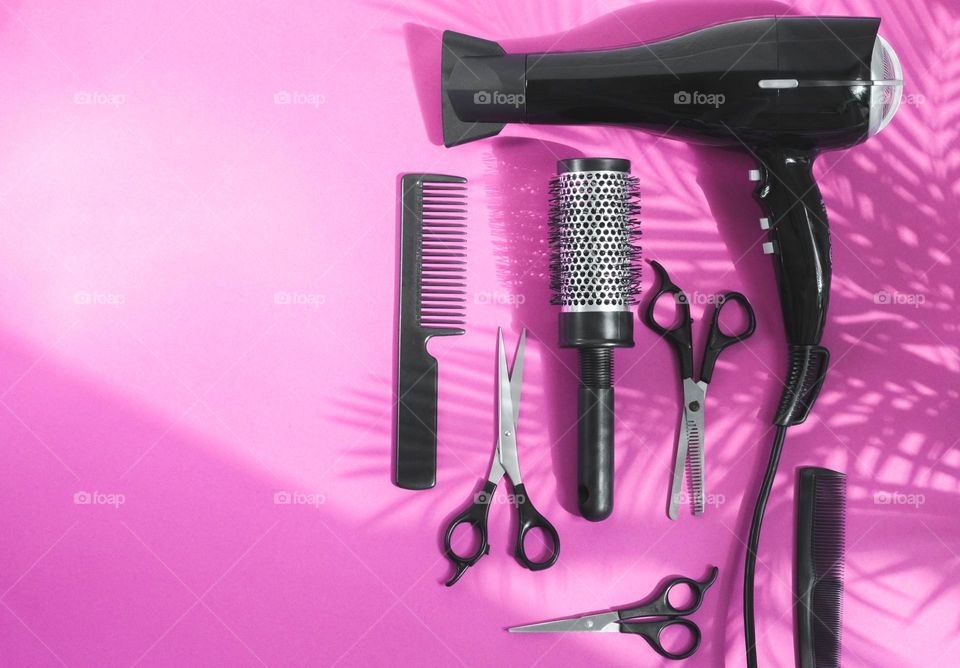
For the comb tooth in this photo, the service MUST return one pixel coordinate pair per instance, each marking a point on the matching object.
(442, 318)
(441, 272)
(435, 283)
(443, 219)
(441, 322)
(443, 265)
(431, 304)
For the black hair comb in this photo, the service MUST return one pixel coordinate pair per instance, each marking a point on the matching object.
(432, 303)
(821, 530)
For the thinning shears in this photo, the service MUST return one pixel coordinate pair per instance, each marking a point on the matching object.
(690, 455)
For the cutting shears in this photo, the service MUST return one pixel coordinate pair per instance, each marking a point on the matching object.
(505, 461)
(690, 444)
(657, 615)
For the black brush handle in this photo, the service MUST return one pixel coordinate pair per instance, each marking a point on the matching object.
(595, 434)
(416, 442)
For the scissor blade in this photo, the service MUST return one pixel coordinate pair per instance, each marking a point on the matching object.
(676, 486)
(695, 453)
(695, 392)
(604, 622)
(507, 436)
(516, 376)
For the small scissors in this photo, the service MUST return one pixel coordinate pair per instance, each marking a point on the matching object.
(505, 460)
(690, 443)
(619, 619)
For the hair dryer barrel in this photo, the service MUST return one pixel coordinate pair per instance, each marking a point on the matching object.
(804, 80)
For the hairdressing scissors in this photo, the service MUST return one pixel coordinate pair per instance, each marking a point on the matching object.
(658, 614)
(505, 461)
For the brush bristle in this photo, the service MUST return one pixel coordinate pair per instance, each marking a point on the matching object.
(443, 253)
(595, 262)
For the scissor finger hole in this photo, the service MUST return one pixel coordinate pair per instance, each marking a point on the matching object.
(466, 540)
(733, 319)
(666, 310)
(681, 596)
(676, 638)
(538, 545)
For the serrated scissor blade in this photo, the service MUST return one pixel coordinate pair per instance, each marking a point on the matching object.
(695, 465)
(693, 414)
(689, 449)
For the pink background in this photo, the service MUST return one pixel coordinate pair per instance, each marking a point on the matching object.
(155, 200)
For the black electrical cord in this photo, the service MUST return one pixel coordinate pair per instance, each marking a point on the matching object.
(753, 542)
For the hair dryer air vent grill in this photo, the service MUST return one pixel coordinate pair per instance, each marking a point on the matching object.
(887, 90)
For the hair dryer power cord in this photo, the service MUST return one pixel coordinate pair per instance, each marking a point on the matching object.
(753, 541)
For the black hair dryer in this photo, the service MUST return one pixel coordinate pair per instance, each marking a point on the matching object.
(783, 88)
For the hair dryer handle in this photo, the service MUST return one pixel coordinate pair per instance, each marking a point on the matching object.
(800, 243)
(800, 237)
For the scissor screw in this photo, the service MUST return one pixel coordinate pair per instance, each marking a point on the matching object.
(694, 406)
(506, 432)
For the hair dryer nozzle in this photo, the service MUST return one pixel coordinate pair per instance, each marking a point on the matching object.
(482, 88)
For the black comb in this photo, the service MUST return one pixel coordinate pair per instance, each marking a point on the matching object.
(432, 303)
(821, 531)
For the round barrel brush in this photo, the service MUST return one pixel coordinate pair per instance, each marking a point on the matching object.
(595, 278)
